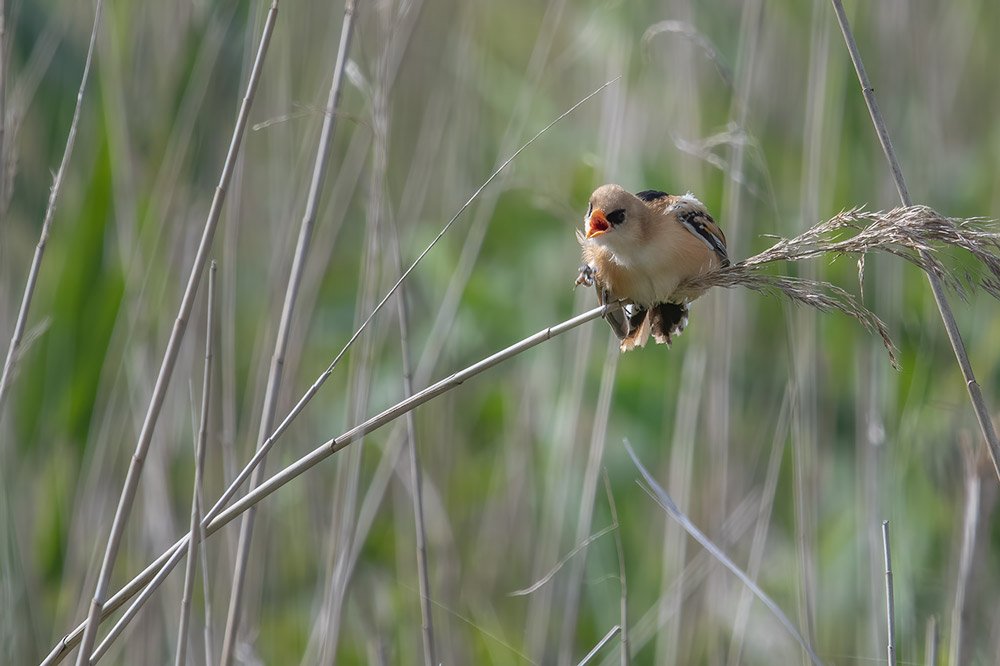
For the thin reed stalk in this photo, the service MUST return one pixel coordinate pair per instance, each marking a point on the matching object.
(4, 157)
(173, 347)
(970, 524)
(416, 475)
(626, 653)
(50, 209)
(574, 583)
(275, 371)
(803, 335)
(763, 521)
(689, 579)
(199, 465)
(931, 642)
(331, 446)
(947, 316)
(890, 599)
(674, 544)
(663, 499)
(130, 613)
(600, 644)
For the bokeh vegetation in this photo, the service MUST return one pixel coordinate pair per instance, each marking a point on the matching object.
(784, 434)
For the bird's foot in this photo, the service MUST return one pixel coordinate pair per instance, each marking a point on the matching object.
(586, 276)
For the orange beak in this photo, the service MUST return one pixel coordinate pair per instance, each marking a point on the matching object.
(597, 223)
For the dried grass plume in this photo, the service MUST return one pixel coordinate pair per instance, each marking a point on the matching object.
(914, 233)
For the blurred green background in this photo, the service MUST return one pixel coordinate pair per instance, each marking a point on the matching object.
(785, 435)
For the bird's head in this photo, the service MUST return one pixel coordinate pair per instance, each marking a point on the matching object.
(614, 217)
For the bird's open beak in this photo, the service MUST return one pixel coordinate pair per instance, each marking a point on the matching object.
(597, 223)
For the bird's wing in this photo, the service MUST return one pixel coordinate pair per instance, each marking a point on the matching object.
(692, 215)
(701, 224)
(616, 318)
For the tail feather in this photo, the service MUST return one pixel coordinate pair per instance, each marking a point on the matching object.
(634, 325)
(639, 330)
(668, 320)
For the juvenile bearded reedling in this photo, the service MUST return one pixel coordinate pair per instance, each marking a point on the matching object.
(638, 249)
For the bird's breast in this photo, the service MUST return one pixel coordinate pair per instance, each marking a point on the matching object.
(640, 279)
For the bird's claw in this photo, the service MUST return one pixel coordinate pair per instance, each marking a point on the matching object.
(586, 276)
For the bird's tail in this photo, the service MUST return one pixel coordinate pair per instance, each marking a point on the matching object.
(668, 320)
(663, 321)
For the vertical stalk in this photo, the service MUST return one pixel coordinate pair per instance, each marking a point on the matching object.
(890, 602)
(284, 327)
(195, 533)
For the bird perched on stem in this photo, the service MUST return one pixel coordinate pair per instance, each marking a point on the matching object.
(638, 249)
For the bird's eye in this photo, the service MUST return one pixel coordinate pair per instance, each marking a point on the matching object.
(616, 217)
(590, 208)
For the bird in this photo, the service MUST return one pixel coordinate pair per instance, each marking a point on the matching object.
(639, 249)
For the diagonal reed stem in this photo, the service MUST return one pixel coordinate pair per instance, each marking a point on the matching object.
(661, 497)
(947, 317)
(36, 262)
(217, 518)
(173, 348)
(311, 392)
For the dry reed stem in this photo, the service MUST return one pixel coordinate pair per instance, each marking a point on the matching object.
(890, 603)
(541, 582)
(661, 497)
(916, 234)
(382, 215)
(416, 475)
(689, 579)
(50, 209)
(277, 365)
(600, 644)
(970, 523)
(947, 317)
(134, 608)
(199, 464)
(173, 348)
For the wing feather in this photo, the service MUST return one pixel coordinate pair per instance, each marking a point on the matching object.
(701, 224)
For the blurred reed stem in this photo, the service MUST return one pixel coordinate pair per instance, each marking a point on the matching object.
(574, 583)
(626, 653)
(660, 496)
(20, 323)
(195, 531)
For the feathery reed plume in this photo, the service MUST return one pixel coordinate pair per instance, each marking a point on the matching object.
(914, 233)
